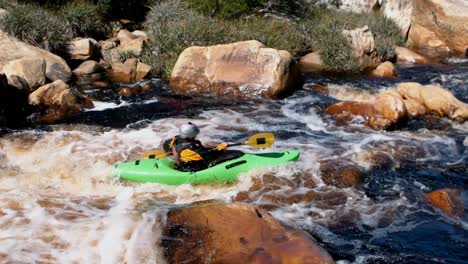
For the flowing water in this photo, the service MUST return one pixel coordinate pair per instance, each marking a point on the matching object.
(60, 204)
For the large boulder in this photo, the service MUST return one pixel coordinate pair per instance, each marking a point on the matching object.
(13, 49)
(241, 69)
(439, 27)
(235, 233)
(434, 99)
(13, 104)
(58, 101)
(27, 74)
(399, 11)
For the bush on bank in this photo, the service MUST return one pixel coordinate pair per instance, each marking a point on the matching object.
(172, 27)
(52, 28)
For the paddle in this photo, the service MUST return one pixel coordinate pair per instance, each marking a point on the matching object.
(260, 140)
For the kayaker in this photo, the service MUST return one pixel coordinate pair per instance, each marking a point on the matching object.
(189, 153)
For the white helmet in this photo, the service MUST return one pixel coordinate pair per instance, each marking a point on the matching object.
(189, 130)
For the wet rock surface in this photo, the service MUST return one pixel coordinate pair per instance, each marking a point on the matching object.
(219, 233)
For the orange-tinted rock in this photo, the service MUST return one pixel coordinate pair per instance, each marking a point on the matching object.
(241, 69)
(311, 62)
(320, 88)
(340, 173)
(129, 91)
(435, 99)
(439, 27)
(405, 55)
(414, 107)
(385, 70)
(348, 110)
(59, 100)
(390, 104)
(235, 233)
(447, 200)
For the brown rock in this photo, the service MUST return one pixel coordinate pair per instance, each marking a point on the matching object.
(405, 55)
(435, 99)
(27, 74)
(385, 70)
(447, 200)
(142, 70)
(125, 36)
(111, 56)
(311, 62)
(13, 49)
(400, 12)
(129, 91)
(320, 88)
(241, 69)
(390, 105)
(88, 67)
(340, 173)
(130, 71)
(108, 43)
(346, 111)
(414, 107)
(59, 100)
(83, 49)
(218, 233)
(439, 27)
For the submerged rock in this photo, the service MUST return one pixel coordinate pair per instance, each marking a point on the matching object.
(347, 111)
(58, 101)
(439, 28)
(235, 233)
(340, 173)
(241, 69)
(447, 200)
(13, 49)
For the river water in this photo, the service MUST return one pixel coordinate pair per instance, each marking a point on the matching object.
(60, 204)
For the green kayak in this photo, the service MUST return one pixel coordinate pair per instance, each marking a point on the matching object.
(162, 171)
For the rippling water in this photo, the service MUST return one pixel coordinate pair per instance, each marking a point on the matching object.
(59, 203)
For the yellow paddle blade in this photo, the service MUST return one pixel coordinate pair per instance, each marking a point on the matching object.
(154, 154)
(261, 140)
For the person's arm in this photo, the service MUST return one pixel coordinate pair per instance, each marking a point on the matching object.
(212, 153)
(167, 145)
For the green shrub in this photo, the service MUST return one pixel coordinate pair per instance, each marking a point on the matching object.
(37, 27)
(84, 19)
(172, 27)
(225, 9)
(325, 27)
